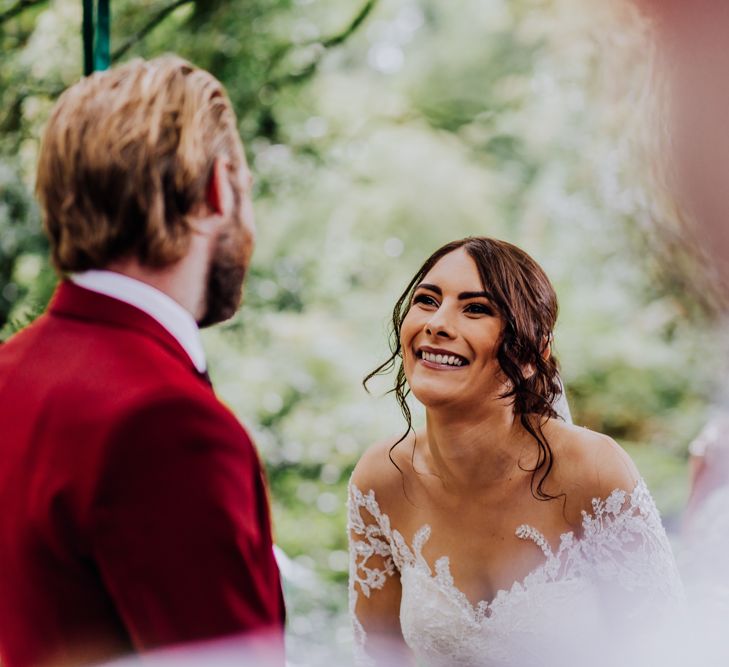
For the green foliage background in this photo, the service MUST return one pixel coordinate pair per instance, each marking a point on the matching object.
(377, 131)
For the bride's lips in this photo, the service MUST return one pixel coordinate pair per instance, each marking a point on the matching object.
(440, 359)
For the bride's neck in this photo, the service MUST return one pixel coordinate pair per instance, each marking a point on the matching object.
(474, 451)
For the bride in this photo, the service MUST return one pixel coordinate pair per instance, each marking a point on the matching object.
(499, 533)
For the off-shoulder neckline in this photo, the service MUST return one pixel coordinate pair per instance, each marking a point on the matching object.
(614, 505)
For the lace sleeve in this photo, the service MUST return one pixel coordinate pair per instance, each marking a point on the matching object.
(371, 563)
(626, 549)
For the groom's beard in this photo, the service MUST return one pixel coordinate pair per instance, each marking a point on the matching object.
(226, 274)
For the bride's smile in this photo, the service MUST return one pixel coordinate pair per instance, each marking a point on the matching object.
(440, 360)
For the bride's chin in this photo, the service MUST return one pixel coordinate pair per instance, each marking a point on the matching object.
(433, 398)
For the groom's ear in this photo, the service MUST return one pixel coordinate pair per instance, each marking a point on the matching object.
(218, 194)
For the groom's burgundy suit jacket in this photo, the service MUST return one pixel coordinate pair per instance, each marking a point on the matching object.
(133, 510)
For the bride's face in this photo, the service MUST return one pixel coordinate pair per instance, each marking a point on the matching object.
(450, 337)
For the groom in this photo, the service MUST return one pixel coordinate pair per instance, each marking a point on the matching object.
(133, 510)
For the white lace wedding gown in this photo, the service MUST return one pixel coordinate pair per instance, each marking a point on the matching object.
(619, 573)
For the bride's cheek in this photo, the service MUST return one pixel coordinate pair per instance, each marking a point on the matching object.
(407, 335)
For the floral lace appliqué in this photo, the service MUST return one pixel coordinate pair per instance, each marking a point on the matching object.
(623, 544)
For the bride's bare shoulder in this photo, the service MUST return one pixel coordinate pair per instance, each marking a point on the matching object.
(589, 464)
(382, 466)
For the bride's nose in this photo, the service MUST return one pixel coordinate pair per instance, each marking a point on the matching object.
(439, 325)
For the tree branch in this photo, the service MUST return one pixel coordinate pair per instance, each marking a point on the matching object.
(156, 20)
(357, 21)
(18, 7)
(328, 43)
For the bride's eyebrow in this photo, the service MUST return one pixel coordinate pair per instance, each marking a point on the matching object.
(463, 296)
(473, 295)
(432, 288)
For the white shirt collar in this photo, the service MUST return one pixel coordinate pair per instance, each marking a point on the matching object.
(165, 310)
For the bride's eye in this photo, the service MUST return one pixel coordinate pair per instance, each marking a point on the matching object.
(480, 309)
(425, 299)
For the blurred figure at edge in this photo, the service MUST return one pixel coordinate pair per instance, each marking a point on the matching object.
(693, 60)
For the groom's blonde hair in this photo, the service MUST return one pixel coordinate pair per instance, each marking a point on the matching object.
(126, 157)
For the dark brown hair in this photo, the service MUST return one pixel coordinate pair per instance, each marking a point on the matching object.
(126, 158)
(525, 299)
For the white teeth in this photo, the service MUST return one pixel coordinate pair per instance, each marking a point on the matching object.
(448, 360)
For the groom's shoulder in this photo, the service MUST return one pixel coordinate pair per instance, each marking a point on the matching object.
(172, 420)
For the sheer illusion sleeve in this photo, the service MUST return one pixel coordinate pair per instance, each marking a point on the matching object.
(374, 582)
(625, 548)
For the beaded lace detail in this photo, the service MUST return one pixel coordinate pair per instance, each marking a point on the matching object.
(623, 555)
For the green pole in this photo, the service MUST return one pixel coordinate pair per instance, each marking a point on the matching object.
(88, 36)
(96, 36)
(102, 58)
